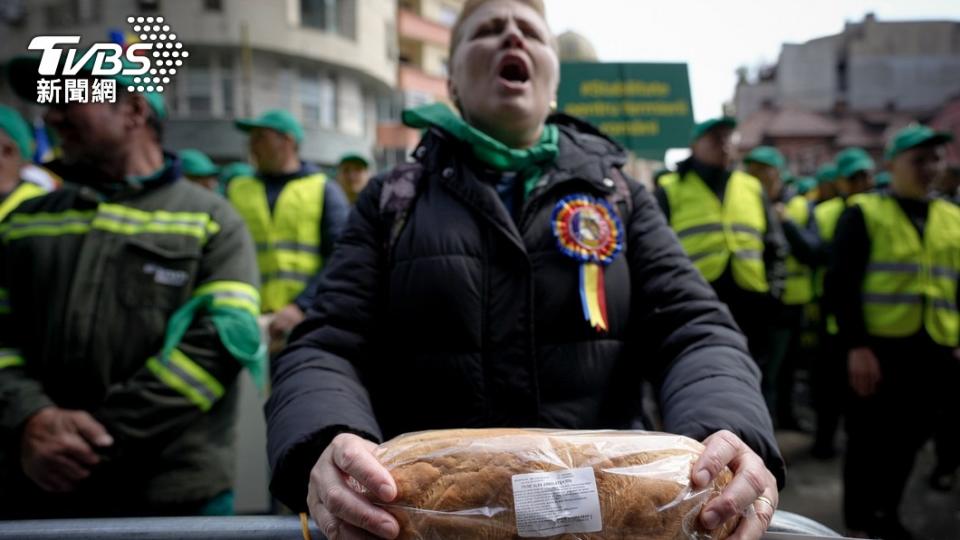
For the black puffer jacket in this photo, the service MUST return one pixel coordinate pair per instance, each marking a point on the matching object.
(475, 321)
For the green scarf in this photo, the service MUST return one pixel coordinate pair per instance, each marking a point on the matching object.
(528, 163)
(238, 331)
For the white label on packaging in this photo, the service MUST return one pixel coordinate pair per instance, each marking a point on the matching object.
(561, 502)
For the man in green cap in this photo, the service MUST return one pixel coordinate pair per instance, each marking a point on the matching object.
(727, 226)
(826, 176)
(896, 279)
(16, 144)
(353, 173)
(795, 214)
(854, 174)
(128, 305)
(294, 214)
(826, 379)
(198, 168)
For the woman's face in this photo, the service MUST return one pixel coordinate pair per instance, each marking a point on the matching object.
(505, 71)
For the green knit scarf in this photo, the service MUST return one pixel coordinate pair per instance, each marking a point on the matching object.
(528, 163)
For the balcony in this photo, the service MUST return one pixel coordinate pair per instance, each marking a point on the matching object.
(413, 79)
(414, 27)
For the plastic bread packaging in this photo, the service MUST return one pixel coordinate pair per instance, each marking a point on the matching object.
(494, 484)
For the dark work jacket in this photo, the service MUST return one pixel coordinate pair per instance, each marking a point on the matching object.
(86, 309)
(471, 319)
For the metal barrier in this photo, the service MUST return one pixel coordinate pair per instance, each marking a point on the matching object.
(245, 528)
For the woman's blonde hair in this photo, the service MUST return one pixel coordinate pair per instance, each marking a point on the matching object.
(470, 6)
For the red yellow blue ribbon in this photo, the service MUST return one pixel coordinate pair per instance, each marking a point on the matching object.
(593, 296)
(588, 230)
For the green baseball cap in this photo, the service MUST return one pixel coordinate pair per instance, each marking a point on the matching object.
(277, 120)
(766, 155)
(702, 128)
(882, 179)
(23, 74)
(354, 156)
(18, 130)
(826, 173)
(196, 163)
(233, 170)
(913, 136)
(853, 160)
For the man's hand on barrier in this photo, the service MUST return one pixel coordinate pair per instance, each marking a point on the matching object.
(338, 509)
(752, 486)
(57, 447)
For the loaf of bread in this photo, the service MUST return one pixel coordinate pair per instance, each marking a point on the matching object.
(455, 484)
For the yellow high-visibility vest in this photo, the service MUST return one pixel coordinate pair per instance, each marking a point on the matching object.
(715, 234)
(288, 239)
(827, 215)
(911, 282)
(799, 286)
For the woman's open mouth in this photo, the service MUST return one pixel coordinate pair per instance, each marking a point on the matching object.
(513, 72)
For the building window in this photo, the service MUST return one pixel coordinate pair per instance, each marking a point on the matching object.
(213, 5)
(390, 107)
(393, 44)
(364, 117)
(68, 13)
(199, 86)
(285, 88)
(334, 16)
(227, 87)
(318, 100)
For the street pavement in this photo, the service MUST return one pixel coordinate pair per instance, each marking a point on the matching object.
(814, 489)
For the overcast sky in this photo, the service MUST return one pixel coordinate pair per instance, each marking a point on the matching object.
(714, 37)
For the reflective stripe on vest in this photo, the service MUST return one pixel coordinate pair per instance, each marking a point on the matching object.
(713, 233)
(799, 287)
(26, 190)
(911, 281)
(287, 239)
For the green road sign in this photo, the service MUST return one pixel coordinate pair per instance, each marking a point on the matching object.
(646, 107)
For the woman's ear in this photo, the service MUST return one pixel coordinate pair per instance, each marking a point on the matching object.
(452, 92)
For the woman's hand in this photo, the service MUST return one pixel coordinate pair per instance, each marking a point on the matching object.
(752, 485)
(338, 509)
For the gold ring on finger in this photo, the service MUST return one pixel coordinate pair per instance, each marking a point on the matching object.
(767, 501)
